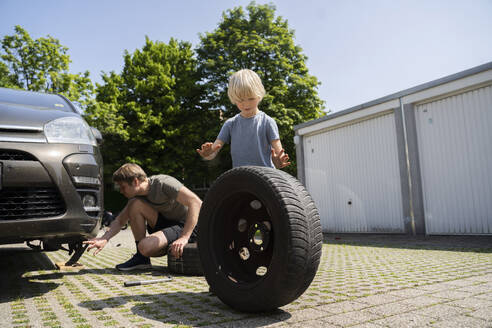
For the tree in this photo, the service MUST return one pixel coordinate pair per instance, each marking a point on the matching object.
(150, 114)
(6, 80)
(263, 43)
(41, 65)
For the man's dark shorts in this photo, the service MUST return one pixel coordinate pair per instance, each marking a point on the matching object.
(172, 229)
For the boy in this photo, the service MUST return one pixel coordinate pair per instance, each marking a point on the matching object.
(253, 135)
(159, 203)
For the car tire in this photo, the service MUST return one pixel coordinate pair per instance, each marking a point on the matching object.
(188, 264)
(259, 239)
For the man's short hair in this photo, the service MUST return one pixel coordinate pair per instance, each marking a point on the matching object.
(128, 172)
(245, 84)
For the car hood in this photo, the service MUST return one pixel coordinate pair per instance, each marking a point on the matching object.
(14, 115)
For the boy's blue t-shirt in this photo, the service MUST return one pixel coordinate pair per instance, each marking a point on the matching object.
(250, 139)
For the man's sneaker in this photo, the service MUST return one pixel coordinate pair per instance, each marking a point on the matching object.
(138, 261)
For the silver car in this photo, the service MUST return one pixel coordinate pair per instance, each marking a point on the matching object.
(51, 185)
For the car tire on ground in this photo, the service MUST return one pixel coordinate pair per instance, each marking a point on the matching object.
(188, 264)
(259, 238)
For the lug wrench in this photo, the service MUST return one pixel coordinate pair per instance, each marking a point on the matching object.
(146, 282)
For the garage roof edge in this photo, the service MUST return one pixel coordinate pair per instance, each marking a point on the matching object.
(424, 86)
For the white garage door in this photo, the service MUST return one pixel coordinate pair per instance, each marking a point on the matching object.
(455, 146)
(353, 175)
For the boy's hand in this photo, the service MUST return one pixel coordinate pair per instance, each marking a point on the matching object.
(208, 150)
(280, 160)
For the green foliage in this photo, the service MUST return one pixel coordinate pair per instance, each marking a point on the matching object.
(263, 43)
(41, 65)
(168, 99)
(6, 79)
(150, 114)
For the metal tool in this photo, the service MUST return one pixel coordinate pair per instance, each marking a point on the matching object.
(146, 282)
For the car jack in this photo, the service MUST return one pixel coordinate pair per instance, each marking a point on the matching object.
(77, 249)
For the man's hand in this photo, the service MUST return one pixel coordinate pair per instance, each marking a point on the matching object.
(208, 149)
(281, 159)
(98, 243)
(176, 248)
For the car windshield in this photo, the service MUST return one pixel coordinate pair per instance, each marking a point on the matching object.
(34, 100)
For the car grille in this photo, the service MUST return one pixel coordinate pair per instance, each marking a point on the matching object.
(15, 155)
(27, 203)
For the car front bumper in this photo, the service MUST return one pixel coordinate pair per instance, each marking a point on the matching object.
(39, 195)
(63, 229)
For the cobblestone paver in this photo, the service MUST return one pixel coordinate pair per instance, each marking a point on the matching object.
(363, 281)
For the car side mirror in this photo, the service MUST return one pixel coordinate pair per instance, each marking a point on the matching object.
(97, 134)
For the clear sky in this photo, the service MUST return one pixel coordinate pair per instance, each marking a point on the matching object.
(359, 50)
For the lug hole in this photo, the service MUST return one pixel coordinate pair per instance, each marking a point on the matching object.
(261, 271)
(255, 204)
(242, 225)
(244, 253)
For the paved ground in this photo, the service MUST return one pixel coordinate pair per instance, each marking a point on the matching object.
(363, 281)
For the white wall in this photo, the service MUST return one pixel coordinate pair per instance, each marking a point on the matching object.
(455, 148)
(353, 175)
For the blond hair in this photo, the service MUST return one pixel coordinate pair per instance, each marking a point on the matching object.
(245, 84)
(128, 172)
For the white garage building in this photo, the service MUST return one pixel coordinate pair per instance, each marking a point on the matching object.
(418, 161)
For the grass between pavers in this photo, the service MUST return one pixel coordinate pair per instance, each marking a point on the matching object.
(352, 271)
(95, 296)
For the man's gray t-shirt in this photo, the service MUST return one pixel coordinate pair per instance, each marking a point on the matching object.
(162, 196)
(250, 139)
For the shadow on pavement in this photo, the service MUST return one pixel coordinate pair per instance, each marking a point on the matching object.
(173, 308)
(18, 262)
(476, 244)
(157, 272)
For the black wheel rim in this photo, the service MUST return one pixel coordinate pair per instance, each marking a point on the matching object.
(244, 246)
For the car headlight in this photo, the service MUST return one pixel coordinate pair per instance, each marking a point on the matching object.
(73, 130)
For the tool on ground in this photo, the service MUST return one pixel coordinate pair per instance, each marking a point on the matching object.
(72, 265)
(77, 250)
(146, 282)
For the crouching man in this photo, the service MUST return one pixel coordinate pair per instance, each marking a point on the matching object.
(159, 204)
